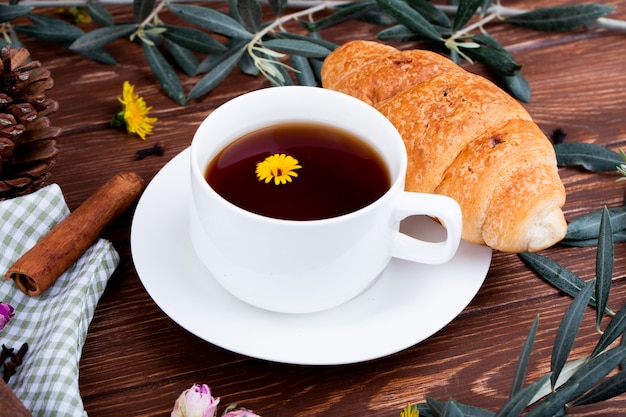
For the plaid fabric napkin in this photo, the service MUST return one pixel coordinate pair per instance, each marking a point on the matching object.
(55, 323)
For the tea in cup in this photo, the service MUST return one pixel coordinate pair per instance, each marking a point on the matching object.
(336, 172)
(297, 197)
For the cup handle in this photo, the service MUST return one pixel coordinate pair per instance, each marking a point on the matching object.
(445, 209)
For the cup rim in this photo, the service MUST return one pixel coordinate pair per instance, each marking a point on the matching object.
(397, 181)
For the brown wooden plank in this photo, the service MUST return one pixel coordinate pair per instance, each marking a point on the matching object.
(136, 360)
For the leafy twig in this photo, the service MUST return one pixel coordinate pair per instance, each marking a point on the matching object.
(267, 48)
(568, 384)
(267, 66)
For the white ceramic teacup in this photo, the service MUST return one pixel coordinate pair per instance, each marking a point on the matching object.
(293, 266)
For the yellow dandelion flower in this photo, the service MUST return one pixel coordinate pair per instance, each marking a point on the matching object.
(410, 411)
(279, 167)
(134, 113)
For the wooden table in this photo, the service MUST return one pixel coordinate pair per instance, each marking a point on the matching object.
(137, 360)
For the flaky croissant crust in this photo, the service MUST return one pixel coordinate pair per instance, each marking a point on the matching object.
(465, 138)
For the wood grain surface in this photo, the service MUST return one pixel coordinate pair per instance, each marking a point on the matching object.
(136, 360)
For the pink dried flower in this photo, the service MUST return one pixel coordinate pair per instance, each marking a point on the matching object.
(6, 312)
(196, 402)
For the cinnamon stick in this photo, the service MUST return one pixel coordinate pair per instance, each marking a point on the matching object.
(36, 270)
(10, 405)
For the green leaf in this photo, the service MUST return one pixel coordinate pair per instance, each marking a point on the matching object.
(8, 12)
(518, 402)
(277, 6)
(454, 56)
(297, 46)
(555, 274)
(99, 14)
(304, 73)
(567, 331)
(50, 29)
(377, 17)
(465, 11)
(451, 409)
(343, 13)
(142, 9)
(618, 237)
(316, 65)
(623, 343)
(193, 39)
(211, 20)
(522, 363)
(233, 11)
(493, 55)
(246, 65)
(432, 13)
(560, 18)
(100, 37)
(165, 74)
(588, 226)
(517, 86)
(311, 37)
(590, 156)
(410, 18)
(553, 403)
(485, 7)
(99, 55)
(15, 40)
(221, 66)
(436, 407)
(47, 33)
(424, 410)
(604, 266)
(278, 76)
(591, 372)
(568, 370)
(397, 33)
(249, 11)
(608, 389)
(615, 328)
(185, 59)
(43, 20)
(211, 61)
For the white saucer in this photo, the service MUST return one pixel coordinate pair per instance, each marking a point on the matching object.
(407, 304)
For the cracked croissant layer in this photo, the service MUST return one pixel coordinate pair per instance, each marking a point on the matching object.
(465, 138)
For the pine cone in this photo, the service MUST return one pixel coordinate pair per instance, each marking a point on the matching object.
(27, 141)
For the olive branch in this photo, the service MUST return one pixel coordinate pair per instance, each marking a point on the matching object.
(601, 374)
(281, 55)
(593, 378)
(570, 383)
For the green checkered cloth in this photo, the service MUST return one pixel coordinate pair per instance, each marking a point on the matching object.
(55, 323)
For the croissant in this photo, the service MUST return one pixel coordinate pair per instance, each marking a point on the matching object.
(465, 138)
